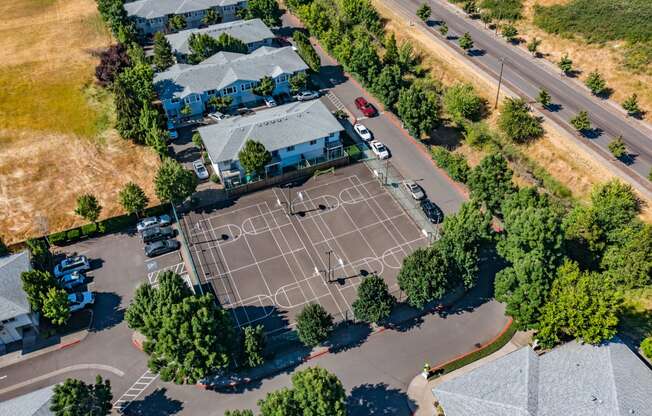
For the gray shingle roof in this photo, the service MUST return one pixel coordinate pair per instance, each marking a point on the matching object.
(13, 300)
(571, 380)
(276, 128)
(224, 68)
(36, 403)
(150, 9)
(248, 31)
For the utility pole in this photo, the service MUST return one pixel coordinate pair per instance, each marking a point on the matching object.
(386, 169)
(500, 80)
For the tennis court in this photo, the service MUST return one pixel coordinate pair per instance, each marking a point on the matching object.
(276, 250)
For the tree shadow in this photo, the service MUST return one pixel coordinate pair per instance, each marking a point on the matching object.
(476, 52)
(187, 154)
(605, 94)
(405, 318)
(553, 107)
(156, 403)
(378, 399)
(452, 37)
(593, 133)
(347, 335)
(107, 312)
(330, 76)
(628, 158)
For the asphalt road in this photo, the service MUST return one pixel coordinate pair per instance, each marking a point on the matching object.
(526, 75)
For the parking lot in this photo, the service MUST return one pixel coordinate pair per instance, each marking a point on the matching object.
(265, 264)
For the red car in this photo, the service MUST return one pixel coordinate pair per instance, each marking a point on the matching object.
(367, 109)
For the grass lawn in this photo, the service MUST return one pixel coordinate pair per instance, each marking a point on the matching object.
(56, 140)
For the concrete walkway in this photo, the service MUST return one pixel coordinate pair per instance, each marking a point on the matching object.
(420, 390)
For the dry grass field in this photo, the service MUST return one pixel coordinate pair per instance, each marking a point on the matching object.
(56, 140)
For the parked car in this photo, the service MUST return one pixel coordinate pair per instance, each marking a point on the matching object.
(72, 264)
(200, 169)
(72, 280)
(217, 116)
(306, 95)
(432, 211)
(269, 101)
(363, 132)
(161, 221)
(161, 247)
(414, 190)
(365, 107)
(79, 300)
(379, 149)
(156, 233)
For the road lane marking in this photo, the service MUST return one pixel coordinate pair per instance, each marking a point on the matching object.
(77, 367)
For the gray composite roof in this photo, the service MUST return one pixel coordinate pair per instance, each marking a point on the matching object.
(276, 128)
(151, 9)
(248, 31)
(36, 403)
(13, 300)
(572, 380)
(225, 68)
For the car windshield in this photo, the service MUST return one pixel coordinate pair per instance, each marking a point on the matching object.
(79, 297)
(380, 147)
(363, 130)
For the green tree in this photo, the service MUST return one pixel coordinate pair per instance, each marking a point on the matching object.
(596, 83)
(280, 403)
(265, 86)
(470, 7)
(387, 86)
(132, 89)
(36, 284)
(462, 237)
(364, 60)
(298, 82)
(565, 64)
(40, 253)
(266, 10)
(163, 57)
(533, 46)
(177, 23)
(374, 302)
(76, 398)
(314, 324)
(197, 140)
(254, 157)
(491, 182)
(245, 412)
(517, 122)
(391, 50)
(581, 305)
(631, 105)
(173, 183)
(465, 41)
(195, 339)
(253, 345)
(462, 103)
(581, 121)
(55, 306)
(443, 29)
(407, 59)
(318, 392)
(212, 17)
(424, 276)
(617, 147)
(424, 12)
(543, 98)
(220, 104)
(509, 32)
(628, 258)
(646, 347)
(88, 208)
(477, 134)
(419, 109)
(133, 198)
(202, 46)
(306, 51)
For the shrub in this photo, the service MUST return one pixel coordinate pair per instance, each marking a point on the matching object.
(646, 347)
(454, 164)
(596, 83)
(89, 229)
(477, 135)
(517, 122)
(461, 102)
(617, 147)
(57, 238)
(314, 324)
(73, 234)
(503, 9)
(215, 178)
(509, 32)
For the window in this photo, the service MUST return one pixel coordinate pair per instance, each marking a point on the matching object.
(289, 148)
(211, 92)
(274, 153)
(229, 90)
(313, 142)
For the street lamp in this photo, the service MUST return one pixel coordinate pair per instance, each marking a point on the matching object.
(500, 79)
(330, 270)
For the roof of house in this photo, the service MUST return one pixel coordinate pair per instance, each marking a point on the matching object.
(36, 403)
(225, 68)
(150, 9)
(573, 379)
(248, 31)
(276, 128)
(13, 300)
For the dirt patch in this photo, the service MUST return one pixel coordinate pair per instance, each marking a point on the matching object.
(56, 140)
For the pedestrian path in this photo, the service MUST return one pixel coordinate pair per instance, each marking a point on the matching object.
(135, 391)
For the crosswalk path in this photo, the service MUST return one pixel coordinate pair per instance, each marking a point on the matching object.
(135, 391)
(335, 100)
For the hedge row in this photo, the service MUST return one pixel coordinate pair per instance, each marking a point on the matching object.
(107, 226)
(497, 344)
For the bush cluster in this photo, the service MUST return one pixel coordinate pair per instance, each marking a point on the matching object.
(454, 164)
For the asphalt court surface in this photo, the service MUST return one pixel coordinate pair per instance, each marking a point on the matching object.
(265, 265)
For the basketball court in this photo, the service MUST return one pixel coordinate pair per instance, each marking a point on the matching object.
(274, 251)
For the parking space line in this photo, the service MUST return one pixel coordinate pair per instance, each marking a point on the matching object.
(133, 393)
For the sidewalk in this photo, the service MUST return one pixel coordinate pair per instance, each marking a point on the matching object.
(65, 342)
(419, 391)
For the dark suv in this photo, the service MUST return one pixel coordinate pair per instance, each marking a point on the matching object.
(161, 247)
(432, 211)
(157, 233)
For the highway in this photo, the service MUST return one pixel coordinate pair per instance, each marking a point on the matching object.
(526, 75)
